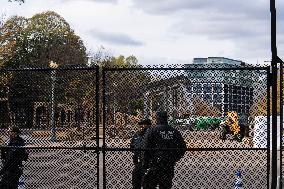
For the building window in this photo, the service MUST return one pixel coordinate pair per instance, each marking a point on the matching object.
(250, 100)
(208, 98)
(217, 88)
(175, 97)
(243, 99)
(239, 99)
(247, 92)
(239, 109)
(238, 90)
(235, 107)
(207, 88)
(230, 98)
(235, 90)
(247, 99)
(243, 90)
(226, 98)
(230, 89)
(226, 108)
(226, 89)
(197, 88)
(217, 98)
(247, 109)
(235, 99)
(244, 109)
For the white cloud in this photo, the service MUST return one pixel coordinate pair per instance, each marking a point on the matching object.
(115, 38)
(165, 30)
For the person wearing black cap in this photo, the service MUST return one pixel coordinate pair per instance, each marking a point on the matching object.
(136, 144)
(166, 146)
(12, 158)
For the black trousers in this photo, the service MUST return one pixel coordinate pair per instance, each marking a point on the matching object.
(158, 176)
(137, 175)
(10, 178)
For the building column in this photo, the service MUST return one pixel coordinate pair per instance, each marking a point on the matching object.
(170, 107)
(147, 105)
(187, 97)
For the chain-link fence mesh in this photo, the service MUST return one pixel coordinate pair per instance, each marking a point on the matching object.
(61, 169)
(197, 169)
(56, 112)
(197, 100)
(50, 105)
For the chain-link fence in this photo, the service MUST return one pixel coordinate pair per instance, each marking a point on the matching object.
(57, 113)
(79, 125)
(197, 99)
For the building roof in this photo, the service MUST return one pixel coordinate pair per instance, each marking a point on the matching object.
(218, 60)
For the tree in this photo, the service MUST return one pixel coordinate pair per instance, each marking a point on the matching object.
(204, 109)
(131, 60)
(11, 33)
(37, 40)
(127, 84)
(99, 57)
(34, 42)
(124, 92)
(259, 107)
(2, 19)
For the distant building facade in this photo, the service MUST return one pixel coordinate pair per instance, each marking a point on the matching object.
(227, 89)
(169, 95)
(217, 81)
(36, 114)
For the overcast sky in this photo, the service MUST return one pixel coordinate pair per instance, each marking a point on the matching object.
(168, 31)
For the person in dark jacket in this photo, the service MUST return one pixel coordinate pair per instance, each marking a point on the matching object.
(136, 144)
(12, 157)
(167, 147)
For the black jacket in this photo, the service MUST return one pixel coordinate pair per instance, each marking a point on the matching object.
(163, 137)
(13, 157)
(136, 143)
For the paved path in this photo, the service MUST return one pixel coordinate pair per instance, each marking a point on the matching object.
(60, 169)
(76, 169)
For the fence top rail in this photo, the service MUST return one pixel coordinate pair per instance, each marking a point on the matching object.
(48, 69)
(186, 69)
(147, 68)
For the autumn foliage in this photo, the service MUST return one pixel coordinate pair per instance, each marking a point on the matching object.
(259, 108)
(202, 108)
(38, 40)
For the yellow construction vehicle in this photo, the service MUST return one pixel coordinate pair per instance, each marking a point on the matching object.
(231, 126)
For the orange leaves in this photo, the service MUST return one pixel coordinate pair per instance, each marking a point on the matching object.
(259, 108)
